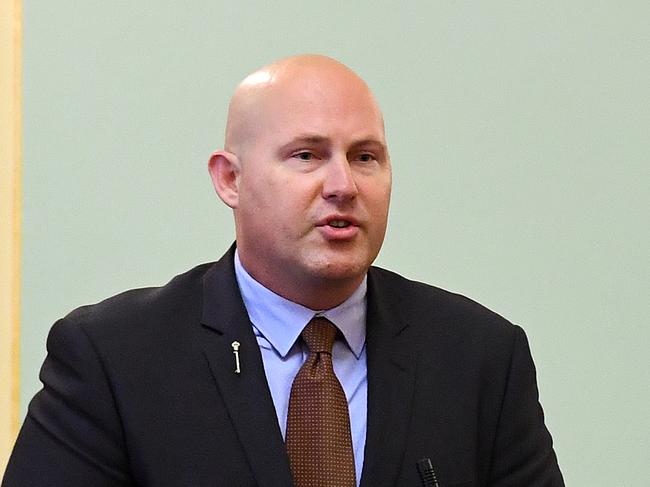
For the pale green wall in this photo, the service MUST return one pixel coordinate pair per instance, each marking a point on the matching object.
(519, 138)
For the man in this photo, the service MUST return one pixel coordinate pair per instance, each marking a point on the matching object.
(213, 379)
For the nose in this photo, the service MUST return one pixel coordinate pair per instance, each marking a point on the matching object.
(339, 182)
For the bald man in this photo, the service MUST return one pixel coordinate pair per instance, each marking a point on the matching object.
(192, 383)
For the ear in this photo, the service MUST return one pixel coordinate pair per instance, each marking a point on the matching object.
(225, 169)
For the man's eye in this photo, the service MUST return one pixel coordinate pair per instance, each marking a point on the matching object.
(304, 156)
(364, 157)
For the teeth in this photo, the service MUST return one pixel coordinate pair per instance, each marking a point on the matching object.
(339, 223)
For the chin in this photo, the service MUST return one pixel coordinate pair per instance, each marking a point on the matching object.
(341, 268)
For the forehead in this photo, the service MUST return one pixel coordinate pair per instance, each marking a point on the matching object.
(328, 104)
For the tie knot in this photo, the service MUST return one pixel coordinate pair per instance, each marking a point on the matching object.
(319, 335)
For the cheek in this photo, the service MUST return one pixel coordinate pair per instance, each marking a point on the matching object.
(295, 193)
(276, 207)
(377, 197)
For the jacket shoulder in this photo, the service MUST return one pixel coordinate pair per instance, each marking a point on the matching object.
(182, 294)
(422, 303)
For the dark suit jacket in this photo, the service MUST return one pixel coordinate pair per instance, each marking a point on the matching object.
(140, 390)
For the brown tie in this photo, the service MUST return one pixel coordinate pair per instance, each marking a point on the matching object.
(319, 442)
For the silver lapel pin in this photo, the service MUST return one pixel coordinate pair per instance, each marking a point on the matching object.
(235, 350)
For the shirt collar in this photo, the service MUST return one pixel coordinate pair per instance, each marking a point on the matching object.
(281, 321)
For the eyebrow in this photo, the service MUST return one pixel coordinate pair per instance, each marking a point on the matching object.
(319, 140)
(305, 139)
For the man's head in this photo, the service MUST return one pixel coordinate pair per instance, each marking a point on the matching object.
(307, 173)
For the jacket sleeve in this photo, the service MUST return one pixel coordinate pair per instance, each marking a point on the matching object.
(523, 452)
(72, 435)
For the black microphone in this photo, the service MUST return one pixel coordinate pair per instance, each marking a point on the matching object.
(427, 473)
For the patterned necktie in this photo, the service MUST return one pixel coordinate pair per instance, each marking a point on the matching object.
(319, 442)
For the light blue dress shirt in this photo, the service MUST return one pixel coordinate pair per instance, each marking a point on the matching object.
(278, 322)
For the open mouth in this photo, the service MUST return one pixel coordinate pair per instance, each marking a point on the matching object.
(339, 228)
(339, 223)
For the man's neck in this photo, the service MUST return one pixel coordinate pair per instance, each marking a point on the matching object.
(317, 294)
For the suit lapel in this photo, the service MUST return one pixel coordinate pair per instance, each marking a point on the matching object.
(391, 378)
(246, 395)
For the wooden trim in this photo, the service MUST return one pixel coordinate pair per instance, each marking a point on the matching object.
(10, 221)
